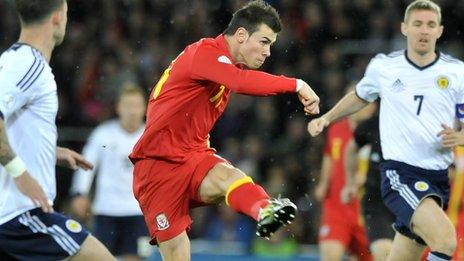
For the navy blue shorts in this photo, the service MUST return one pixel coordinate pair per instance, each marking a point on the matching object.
(35, 235)
(120, 235)
(405, 186)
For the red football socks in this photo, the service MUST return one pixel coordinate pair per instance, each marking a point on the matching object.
(246, 197)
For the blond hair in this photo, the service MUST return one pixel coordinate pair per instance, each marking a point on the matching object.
(422, 5)
(129, 88)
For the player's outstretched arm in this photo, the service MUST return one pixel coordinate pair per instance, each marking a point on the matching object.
(211, 64)
(69, 158)
(17, 169)
(348, 105)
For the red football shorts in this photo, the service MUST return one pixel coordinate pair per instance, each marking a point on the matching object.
(343, 224)
(166, 191)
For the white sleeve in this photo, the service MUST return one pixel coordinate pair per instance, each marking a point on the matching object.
(369, 88)
(16, 78)
(82, 179)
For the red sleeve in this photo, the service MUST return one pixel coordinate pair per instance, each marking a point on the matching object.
(328, 143)
(206, 66)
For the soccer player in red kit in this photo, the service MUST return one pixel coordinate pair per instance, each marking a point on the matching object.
(341, 226)
(175, 169)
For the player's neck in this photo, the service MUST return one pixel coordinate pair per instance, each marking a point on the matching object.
(421, 59)
(233, 47)
(39, 39)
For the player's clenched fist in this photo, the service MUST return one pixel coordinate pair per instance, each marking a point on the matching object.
(316, 126)
(308, 98)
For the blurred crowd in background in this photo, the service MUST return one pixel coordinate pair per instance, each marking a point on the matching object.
(328, 43)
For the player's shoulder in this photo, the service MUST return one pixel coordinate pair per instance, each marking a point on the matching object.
(211, 45)
(21, 56)
(389, 57)
(215, 48)
(201, 47)
(21, 64)
(105, 130)
(107, 126)
(382, 60)
(208, 42)
(450, 60)
(202, 44)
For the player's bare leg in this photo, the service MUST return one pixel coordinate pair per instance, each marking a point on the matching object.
(381, 248)
(92, 249)
(331, 250)
(404, 248)
(224, 181)
(214, 186)
(177, 248)
(431, 223)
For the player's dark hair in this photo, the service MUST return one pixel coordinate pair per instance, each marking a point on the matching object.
(35, 11)
(252, 15)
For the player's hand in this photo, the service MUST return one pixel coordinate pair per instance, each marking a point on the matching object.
(348, 193)
(320, 191)
(316, 126)
(71, 159)
(309, 99)
(80, 206)
(32, 189)
(450, 137)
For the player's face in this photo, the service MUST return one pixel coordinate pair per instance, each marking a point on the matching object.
(257, 47)
(131, 109)
(60, 28)
(422, 31)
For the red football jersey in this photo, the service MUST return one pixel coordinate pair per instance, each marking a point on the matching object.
(192, 94)
(338, 136)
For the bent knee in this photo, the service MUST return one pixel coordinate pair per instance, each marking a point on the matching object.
(448, 244)
(445, 243)
(218, 180)
(222, 176)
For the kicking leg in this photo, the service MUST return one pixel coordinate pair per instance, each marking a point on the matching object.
(224, 181)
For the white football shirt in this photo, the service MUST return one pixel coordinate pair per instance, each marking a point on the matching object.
(414, 102)
(108, 148)
(28, 104)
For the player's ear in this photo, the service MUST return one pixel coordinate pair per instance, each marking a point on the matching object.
(241, 35)
(57, 16)
(403, 29)
(440, 31)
